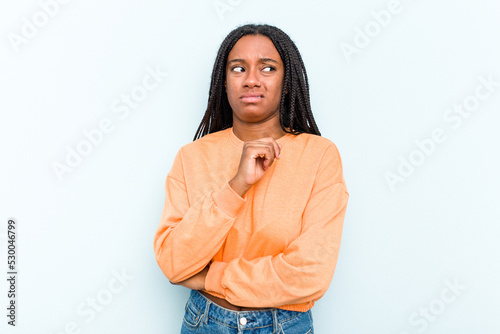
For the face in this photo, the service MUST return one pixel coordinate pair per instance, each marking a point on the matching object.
(254, 79)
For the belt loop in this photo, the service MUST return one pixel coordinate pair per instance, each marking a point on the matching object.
(205, 314)
(275, 320)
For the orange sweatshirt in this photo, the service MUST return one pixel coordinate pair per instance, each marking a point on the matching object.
(275, 247)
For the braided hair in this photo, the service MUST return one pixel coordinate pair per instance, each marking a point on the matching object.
(295, 107)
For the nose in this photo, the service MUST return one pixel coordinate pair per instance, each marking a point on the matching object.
(252, 79)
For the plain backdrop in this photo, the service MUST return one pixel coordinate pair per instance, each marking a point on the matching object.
(409, 91)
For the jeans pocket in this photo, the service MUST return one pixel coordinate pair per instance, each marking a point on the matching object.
(192, 315)
(299, 324)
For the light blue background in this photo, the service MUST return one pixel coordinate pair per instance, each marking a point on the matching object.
(399, 246)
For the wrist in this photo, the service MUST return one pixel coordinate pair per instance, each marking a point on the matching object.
(239, 187)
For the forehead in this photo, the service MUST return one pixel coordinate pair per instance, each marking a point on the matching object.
(254, 47)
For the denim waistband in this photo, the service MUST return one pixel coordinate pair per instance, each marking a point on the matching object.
(231, 318)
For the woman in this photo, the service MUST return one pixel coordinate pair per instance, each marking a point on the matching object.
(255, 205)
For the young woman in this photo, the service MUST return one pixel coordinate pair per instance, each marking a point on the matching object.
(255, 205)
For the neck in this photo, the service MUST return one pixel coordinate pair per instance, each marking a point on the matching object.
(252, 131)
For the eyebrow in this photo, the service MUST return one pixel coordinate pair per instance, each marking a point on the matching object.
(262, 60)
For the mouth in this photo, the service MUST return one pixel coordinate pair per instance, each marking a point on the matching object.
(252, 98)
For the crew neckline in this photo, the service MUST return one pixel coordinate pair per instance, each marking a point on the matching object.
(238, 143)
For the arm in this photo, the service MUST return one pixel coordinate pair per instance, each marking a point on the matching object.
(190, 234)
(304, 270)
(196, 282)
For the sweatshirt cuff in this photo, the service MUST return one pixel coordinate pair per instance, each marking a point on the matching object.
(213, 279)
(228, 200)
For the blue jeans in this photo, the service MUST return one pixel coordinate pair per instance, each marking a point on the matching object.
(204, 316)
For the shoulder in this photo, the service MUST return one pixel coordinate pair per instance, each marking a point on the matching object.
(320, 152)
(207, 142)
(190, 153)
(317, 144)
(325, 156)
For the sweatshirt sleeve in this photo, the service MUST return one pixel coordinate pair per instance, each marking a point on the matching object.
(190, 234)
(304, 270)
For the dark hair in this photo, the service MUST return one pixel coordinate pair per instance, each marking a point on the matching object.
(295, 107)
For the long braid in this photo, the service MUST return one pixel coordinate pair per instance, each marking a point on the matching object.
(306, 103)
(295, 107)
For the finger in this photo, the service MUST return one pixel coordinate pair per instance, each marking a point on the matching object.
(270, 155)
(264, 152)
(277, 149)
(276, 146)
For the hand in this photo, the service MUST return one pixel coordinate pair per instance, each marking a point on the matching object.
(256, 157)
(196, 282)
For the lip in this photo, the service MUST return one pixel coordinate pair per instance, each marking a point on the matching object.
(252, 97)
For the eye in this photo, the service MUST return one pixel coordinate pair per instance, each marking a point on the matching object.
(268, 69)
(237, 69)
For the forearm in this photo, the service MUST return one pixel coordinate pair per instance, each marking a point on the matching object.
(196, 282)
(238, 186)
(187, 239)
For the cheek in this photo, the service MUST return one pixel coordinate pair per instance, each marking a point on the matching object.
(231, 95)
(277, 91)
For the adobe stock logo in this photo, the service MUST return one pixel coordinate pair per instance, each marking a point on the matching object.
(421, 318)
(31, 27)
(95, 304)
(427, 146)
(373, 28)
(94, 137)
(223, 6)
